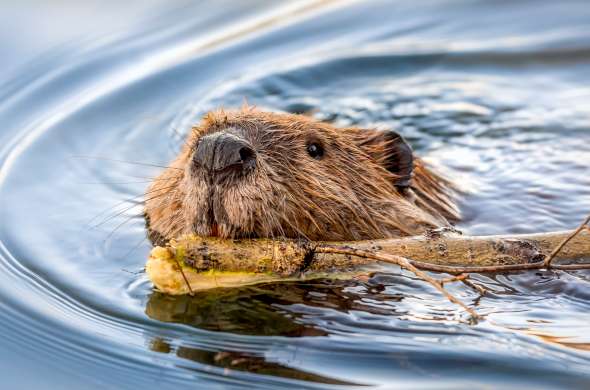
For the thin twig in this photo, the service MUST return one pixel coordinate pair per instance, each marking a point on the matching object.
(571, 267)
(458, 278)
(184, 276)
(547, 263)
(477, 287)
(404, 263)
(457, 269)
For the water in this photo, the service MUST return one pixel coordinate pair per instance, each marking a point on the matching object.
(494, 93)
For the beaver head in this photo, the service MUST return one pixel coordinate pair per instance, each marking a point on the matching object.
(249, 173)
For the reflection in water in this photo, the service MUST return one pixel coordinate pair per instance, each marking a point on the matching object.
(262, 309)
(494, 93)
(562, 341)
(233, 360)
(248, 310)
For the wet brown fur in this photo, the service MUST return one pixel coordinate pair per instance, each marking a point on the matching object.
(346, 195)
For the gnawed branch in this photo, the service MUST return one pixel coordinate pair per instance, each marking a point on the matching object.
(195, 263)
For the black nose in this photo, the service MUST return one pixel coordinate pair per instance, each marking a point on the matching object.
(220, 151)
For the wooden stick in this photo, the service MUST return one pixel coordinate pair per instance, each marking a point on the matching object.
(235, 263)
(452, 249)
(559, 247)
(260, 260)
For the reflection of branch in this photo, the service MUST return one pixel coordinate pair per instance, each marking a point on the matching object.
(462, 272)
(482, 291)
(407, 264)
(207, 262)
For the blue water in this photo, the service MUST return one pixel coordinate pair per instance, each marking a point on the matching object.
(495, 94)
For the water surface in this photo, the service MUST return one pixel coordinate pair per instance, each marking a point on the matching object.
(495, 94)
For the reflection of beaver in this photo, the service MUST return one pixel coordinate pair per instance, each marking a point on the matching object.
(256, 174)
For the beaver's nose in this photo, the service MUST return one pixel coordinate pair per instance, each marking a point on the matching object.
(220, 151)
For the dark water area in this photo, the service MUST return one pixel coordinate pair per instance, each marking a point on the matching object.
(495, 94)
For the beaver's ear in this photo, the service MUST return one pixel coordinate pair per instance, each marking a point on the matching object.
(390, 149)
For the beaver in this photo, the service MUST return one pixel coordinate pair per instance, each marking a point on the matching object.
(252, 174)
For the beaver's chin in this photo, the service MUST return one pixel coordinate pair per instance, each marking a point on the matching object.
(229, 209)
(223, 230)
(233, 233)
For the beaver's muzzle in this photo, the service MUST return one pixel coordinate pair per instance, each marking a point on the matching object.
(222, 152)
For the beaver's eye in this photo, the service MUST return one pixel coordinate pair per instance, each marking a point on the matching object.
(315, 150)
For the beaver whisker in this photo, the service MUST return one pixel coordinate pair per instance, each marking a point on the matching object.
(118, 213)
(156, 178)
(124, 202)
(331, 218)
(309, 203)
(127, 220)
(122, 182)
(186, 142)
(360, 188)
(270, 224)
(124, 161)
(296, 229)
(274, 224)
(291, 215)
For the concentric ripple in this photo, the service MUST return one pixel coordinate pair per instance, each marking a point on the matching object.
(495, 95)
